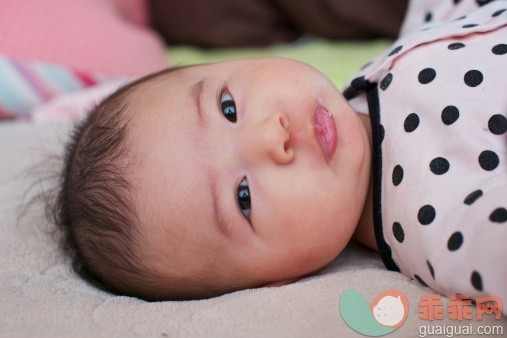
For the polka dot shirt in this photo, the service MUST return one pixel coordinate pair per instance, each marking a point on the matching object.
(437, 100)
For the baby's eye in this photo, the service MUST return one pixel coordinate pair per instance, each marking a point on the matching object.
(228, 106)
(244, 198)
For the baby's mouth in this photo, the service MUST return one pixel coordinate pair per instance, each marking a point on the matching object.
(325, 131)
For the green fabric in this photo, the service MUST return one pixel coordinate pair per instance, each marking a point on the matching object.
(339, 60)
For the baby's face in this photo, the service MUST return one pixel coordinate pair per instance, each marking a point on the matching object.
(231, 179)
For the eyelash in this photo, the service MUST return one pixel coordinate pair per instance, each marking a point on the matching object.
(227, 104)
(243, 197)
(228, 108)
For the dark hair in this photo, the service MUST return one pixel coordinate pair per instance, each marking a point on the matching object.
(94, 209)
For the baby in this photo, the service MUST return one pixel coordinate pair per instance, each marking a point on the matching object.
(201, 180)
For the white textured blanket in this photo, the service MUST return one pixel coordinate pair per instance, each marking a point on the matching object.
(40, 296)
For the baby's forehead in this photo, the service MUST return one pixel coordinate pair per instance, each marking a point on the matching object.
(160, 134)
(169, 74)
(172, 74)
(145, 96)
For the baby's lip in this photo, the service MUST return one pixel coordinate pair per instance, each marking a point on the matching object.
(325, 131)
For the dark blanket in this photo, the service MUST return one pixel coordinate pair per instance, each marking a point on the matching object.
(234, 23)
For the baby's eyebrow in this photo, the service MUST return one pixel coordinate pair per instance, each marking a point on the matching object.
(196, 93)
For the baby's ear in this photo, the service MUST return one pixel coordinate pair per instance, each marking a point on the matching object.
(281, 282)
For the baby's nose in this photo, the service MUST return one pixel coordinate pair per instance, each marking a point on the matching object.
(270, 140)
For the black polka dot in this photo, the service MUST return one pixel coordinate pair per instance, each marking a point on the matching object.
(461, 18)
(427, 75)
(397, 175)
(455, 241)
(420, 280)
(499, 49)
(411, 122)
(472, 197)
(499, 215)
(386, 81)
(450, 114)
(476, 280)
(382, 133)
(398, 232)
(498, 12)
(430, 267)
(473, 78)
(426, 214)
(497, 124)
(470, 25)
(428, 17)
(457, 1)
(395, 50)
(439, 166)
(488, 160)
(456, 45)
(483, 2)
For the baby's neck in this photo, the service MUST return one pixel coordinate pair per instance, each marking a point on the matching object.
(364, 232)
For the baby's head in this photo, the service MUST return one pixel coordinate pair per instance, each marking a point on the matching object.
(202, 180)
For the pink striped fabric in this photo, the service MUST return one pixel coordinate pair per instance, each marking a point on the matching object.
(25, 85)
(33, 80)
